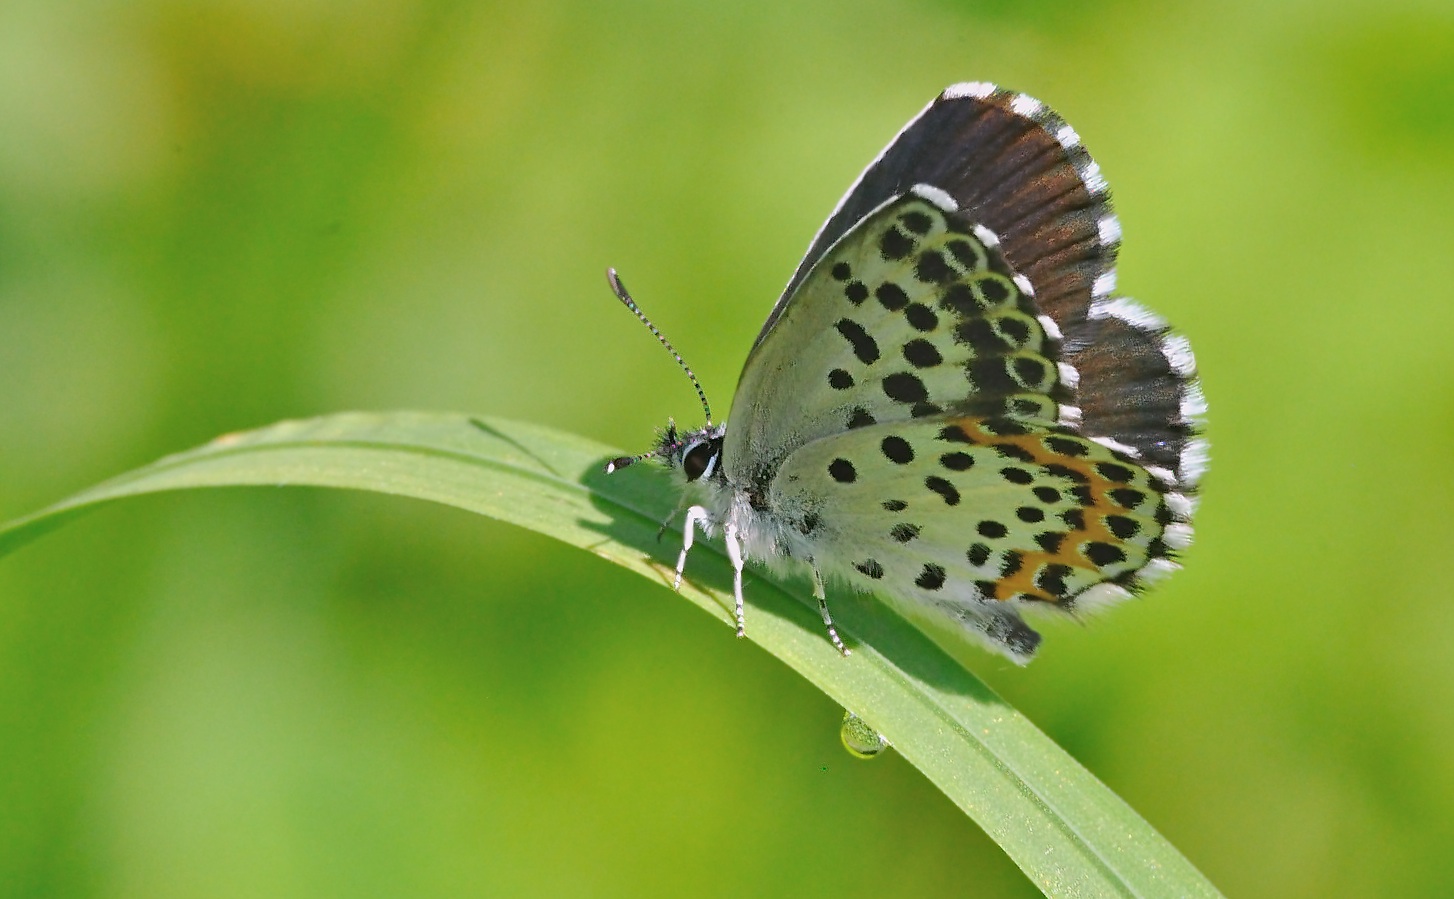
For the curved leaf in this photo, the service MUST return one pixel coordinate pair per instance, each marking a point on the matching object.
(1065, 829)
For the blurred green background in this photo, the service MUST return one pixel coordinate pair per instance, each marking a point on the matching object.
(214, 215)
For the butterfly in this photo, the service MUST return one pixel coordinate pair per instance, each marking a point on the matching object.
(950, 407)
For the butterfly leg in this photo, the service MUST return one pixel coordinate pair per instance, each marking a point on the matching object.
(734, 553)
(681, 504)
(696, 515)
(822, 595)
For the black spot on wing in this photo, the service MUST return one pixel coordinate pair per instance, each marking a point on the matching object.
(1014, 451)
(1026, 407)
(1127, 497)
(905, 388)
(1030, 371)
(960, 300)
(1050, 541)
(957, 461)
(932, 269)
(1012, 563)
(1017, 475)
(895, 245)
(1103, 554)
(980, 335)
(1015, 330)
(931, 577)
(1121, 526)
(1052, 579)
(842, 471)
(992, 529)
(945, 489)
(1113, 472)
(1065, 471)
(897, 450)
(1066, 446)
(966, 254)
(991, 375)
(995, 291)
(921, 353)
(917, 221)
(891, 296)
(921, 317)
(864, 346)
(1005, 427)
(904, 532)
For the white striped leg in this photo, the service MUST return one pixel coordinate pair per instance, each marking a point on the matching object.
(822, 595)
(734, 553)
(696, 515)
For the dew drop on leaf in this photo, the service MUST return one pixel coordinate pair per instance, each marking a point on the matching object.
(859, 739)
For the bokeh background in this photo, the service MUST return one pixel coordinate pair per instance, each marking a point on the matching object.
(214, 215)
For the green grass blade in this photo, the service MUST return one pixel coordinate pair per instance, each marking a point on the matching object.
(1070, 834)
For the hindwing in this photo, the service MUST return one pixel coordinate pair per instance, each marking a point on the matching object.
(974, 518)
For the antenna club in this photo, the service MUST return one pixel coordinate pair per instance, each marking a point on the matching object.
(621, 462)
(618, 288)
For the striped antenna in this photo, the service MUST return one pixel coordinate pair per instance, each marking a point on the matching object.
(621, 462)
(620, 290)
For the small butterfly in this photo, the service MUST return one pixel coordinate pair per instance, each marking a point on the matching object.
(949, 407)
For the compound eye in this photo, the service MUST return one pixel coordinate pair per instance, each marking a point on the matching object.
(699, 460)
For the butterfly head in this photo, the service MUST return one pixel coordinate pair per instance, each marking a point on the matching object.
(697, 453)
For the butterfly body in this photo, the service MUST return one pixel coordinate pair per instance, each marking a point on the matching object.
(948, 407)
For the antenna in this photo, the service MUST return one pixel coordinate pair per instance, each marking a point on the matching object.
(667, 445)
(617, 464)
(620, 290)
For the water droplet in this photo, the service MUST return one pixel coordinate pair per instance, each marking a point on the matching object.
(860, 739)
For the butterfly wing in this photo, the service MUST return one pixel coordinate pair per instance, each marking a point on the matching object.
(1015, 167)
(970, 519)
(912, 314)
(909, 418)
(949, 407)
(1011, 165)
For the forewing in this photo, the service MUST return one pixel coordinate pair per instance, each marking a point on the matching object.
(912, 314)
(970, 519)
(1014, 166)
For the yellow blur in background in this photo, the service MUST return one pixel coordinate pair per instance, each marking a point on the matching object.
(215, 215)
